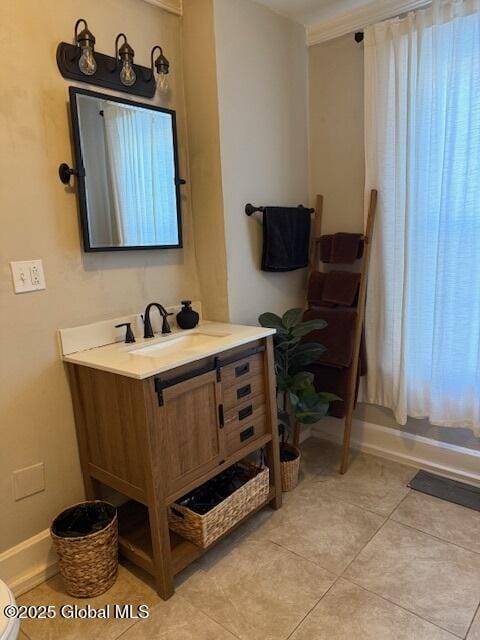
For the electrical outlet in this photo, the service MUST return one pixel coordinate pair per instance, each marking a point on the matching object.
(28, 481)
(28, 276)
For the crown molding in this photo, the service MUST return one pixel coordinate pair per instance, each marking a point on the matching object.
(173, 6)
(360, 18)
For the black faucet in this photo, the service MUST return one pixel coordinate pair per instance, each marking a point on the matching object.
(148, 331)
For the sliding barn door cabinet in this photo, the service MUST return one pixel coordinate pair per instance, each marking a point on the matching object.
(154, 440)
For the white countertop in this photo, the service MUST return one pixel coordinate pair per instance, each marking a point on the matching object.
(163, 353)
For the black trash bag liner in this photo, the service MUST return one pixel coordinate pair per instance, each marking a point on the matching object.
(210, 494)
(287, 456)
(83, 519)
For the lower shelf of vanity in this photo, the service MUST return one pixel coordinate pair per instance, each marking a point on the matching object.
(135, 540)
(136, 544)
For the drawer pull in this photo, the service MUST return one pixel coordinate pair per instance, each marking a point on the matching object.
(242, 369)
(247, 433)
(244, 413)
(244, 391)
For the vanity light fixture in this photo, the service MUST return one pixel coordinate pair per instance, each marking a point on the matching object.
(85, 41)
(162, 66)
(125, 55)
(80, 61)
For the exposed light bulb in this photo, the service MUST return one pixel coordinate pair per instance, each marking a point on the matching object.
(163, 84)
(128, 77)
(87, 63)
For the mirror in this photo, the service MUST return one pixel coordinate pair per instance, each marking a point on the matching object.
(126, 154)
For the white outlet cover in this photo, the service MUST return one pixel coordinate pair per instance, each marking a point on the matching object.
(28, 276)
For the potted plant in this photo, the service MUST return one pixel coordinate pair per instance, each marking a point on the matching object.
(298, 401)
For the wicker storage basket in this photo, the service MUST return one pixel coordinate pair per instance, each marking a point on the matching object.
(289, 470)
(202, 530)
(89, 563)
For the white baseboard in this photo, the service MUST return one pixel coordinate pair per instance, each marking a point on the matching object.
(452, 461)
(33, 561)
(29, 563)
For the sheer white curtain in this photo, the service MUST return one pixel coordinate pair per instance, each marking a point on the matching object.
(422, 108)
(142, 174)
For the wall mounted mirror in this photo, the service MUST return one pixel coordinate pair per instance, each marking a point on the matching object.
(127, 163)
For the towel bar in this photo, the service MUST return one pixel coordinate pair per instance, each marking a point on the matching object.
(251, 209)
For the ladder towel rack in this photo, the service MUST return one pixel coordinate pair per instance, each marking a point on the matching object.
(350, 398)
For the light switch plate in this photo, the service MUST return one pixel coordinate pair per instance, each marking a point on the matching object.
(28, 276)
(28, 481)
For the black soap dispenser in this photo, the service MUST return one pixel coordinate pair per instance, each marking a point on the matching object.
(187, 318)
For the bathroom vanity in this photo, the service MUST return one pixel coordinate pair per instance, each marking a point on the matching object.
(158, 418)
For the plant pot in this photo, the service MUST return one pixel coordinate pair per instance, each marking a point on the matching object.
(290, 468)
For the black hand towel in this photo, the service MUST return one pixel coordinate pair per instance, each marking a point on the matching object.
(286, 238)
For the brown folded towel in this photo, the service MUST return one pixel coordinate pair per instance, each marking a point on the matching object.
(340, 287)
(341, 248)
(334, 381)
(337, 337)
(315, 290)
(346, 247)
(325, 248)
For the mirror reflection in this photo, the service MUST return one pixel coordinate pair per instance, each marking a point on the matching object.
(129, 195)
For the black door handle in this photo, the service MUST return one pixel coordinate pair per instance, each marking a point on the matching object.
(244, 413)
(244, 391)
(247, 433)
(242, 369)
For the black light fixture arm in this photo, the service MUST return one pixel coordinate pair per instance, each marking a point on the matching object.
(77, 24)
(65, 173)
(158, 48)
(120, 35)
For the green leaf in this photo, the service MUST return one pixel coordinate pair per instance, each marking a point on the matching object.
(293, 399)
(310, 417)
(308, 326)
(306, 356)
(328, 397)
(308, 391)
(270, 320)
(288, 344)
(302, 380)
(283, 382)
(291, 318)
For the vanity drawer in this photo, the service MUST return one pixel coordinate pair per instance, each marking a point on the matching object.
(234, 374)
(242, 391)
(239, 435)
(243, 411)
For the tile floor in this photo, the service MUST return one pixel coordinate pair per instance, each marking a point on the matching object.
(353, 557)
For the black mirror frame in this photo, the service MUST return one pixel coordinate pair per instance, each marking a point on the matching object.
(80, 170)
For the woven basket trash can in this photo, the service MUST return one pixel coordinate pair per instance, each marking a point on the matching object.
(88, 563)
(289, 470)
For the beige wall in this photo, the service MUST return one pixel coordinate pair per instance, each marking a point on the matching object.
(39, 220)
(204, 154)
(336, 132)
(337, 171)
(262, 95)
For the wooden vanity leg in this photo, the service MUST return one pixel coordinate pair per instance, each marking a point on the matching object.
(162, 556)
(157, 511)
(81, 430)
(273, 447)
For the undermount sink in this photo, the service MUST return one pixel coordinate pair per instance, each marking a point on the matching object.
(174, 344)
